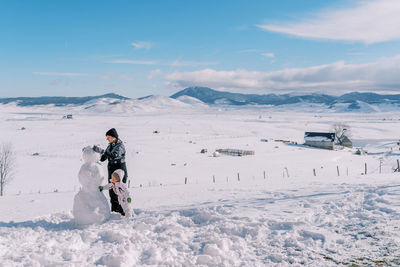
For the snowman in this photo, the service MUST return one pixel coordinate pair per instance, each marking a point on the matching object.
(90, 205)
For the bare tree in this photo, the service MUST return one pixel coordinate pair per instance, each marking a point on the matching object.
(341, 130)
(7, 165)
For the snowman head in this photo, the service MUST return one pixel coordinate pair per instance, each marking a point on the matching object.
(89, 155)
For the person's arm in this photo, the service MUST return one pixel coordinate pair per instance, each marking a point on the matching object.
(103, 157)
(118, 152)
(101, 151)
(105, 187)
(125, 193)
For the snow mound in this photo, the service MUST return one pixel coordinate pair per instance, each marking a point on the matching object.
(107, 105)
(330, 226)
(161, 102)
(191, 101)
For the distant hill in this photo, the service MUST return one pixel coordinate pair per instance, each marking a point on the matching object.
(213, 97)
(203, 96)
(57, 100)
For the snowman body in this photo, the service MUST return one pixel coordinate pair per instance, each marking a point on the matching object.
(90, 205)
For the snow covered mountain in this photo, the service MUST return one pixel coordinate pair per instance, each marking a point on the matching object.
(105, 104)
(146, 104)
(203, 97)
(191, 100)
(57, 100)
(351, 101)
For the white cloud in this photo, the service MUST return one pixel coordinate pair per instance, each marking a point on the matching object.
(370, 21)
(64, 74)
(154, 73)
(133, 62)
(270, 55)
(142, 45)
(383, 74)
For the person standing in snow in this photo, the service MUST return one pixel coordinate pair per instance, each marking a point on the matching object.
(115, 154)
(120, 191)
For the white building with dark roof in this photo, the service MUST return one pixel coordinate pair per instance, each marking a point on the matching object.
(320, 140)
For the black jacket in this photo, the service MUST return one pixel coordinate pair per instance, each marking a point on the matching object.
(115, 154)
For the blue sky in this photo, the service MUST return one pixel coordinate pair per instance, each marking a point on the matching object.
(138, 48)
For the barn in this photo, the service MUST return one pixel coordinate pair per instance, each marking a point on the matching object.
(320, 140)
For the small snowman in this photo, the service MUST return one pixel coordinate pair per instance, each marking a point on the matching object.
(90, 205)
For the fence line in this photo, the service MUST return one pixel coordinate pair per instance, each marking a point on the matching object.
(365, 170)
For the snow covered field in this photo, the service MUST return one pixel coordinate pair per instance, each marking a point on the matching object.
(288, 216)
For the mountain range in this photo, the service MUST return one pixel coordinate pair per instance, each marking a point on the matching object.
(57, 100)
(352, 101)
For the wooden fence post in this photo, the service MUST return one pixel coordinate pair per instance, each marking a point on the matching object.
(264, 175)
(214, 179)
(365, 171)
(315, 174)
(337, 168)
(238, 177)
(287, 172)
(185, 180)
